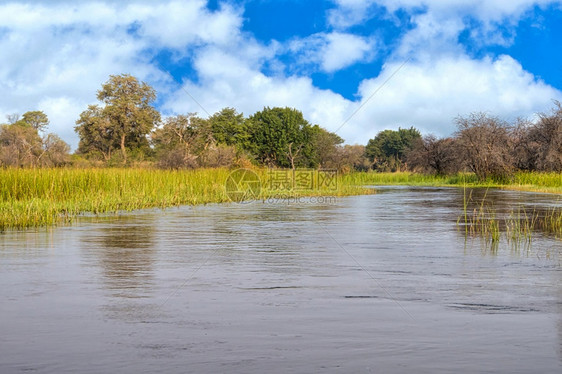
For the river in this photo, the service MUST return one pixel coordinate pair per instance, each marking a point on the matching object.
(384, 283)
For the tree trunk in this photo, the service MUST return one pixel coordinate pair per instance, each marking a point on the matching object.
(123, 151)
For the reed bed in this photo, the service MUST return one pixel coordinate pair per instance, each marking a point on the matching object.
(42, 197)
(525, 181)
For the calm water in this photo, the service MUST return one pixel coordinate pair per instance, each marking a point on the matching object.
(381, 283)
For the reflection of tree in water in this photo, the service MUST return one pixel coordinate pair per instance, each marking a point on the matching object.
(126, 256)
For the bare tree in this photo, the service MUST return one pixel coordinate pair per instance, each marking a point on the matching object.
(546, 139)
(433, 155)
(20, 146)
(484, 145)
(13, 118)
(55, 151)
(538, 145)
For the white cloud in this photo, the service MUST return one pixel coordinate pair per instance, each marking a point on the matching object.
(429, 94)
(56, 56)
(343, 50)
(227, 80)
(333, 51)
(426, 93)
(495, 19)
(351, 12)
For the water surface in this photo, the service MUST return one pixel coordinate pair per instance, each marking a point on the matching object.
(380, 283)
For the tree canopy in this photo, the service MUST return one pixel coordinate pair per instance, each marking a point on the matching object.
(21, 145)
(387, 150)
(281, 137)
(124, 121)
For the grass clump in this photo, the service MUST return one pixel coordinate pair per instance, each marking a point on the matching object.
(42, 197)
(517, 225)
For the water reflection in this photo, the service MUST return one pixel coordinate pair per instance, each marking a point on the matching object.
(126, 253)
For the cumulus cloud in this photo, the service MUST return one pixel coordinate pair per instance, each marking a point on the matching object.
(488, 21)
(333, 51)
(227, 80)
(429, 94)
(57, 54)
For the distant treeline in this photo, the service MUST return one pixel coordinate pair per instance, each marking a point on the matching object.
(126, 130)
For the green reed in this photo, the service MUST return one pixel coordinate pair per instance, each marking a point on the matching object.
(41, 197)
(525, 181)
(517, 225)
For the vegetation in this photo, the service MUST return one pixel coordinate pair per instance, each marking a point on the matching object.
(123, 123)
(126, 131)
(492, 148)
(21, 144)
(38, 197)
(388, 150)
(524, 181)
(518, 225)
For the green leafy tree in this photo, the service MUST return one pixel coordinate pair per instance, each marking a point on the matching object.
(124, 121)
(387, 150)
(229, 127)
(281, 137)
(97, 134)
(326, 146)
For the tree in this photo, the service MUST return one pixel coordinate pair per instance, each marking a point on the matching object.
(349, 157)
(326, 146)
(281, 137)
(21, 145)
(176, 141)
(35, 119)
(97, 134)
(13, 118)
(432, 155)
(388, 148)
(545, 141)
(229, 127)
(125, 120)
(484, 143)
(56, 151)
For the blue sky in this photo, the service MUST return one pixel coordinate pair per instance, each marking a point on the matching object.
(403, 62)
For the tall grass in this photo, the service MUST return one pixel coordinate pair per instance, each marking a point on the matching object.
(527, 181)
(518, 225)
(481, 221)
(39, 197)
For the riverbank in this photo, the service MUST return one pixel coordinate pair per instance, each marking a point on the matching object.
(44, 197)
(520, 181)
